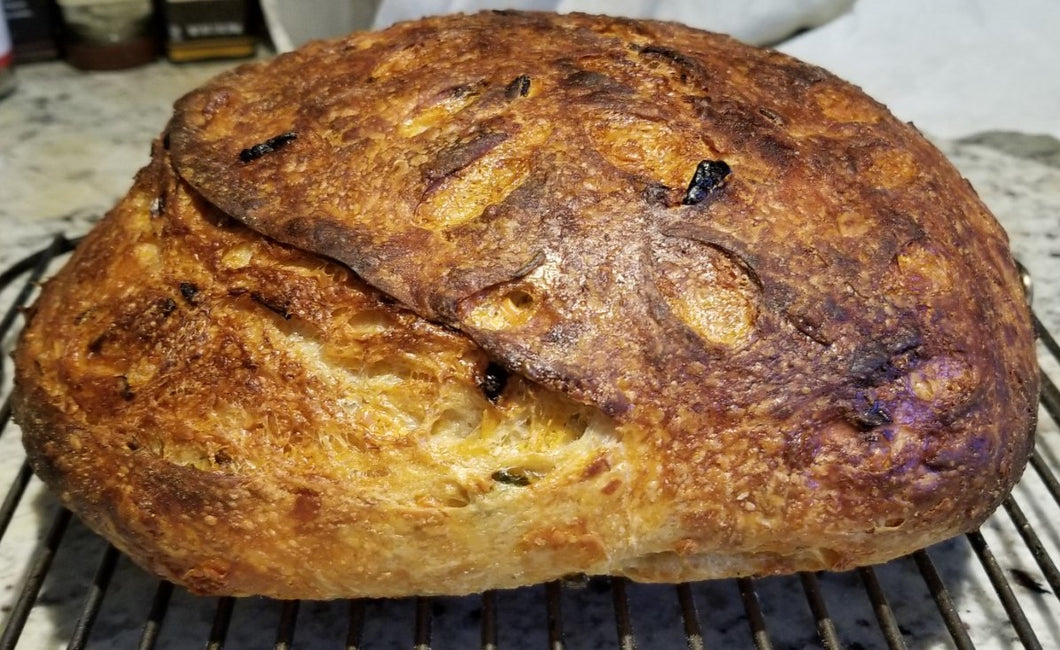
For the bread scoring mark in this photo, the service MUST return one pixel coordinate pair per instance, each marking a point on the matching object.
(274, 143)
(439, 108)
(510, 307)
(455, 157)
(922, 269)
(656, 151)
(518, 87)
(466, 179)
(838, 105)
(395, 62)
(880, 362)
(683, 67)
(772, 116)
(709, 290)
(274, 305)
(596, 86)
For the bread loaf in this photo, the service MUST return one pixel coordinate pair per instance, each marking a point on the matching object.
(481, 301)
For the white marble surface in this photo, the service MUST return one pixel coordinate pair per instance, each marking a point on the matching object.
(69, 145)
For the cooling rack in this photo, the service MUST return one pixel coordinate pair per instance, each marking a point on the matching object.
(995, 587)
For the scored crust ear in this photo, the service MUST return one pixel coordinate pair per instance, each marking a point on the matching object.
(555, 174)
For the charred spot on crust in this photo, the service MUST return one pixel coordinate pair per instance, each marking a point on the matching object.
(884, 362)
(771, 115)
(684, 65)
(189, 292)
(876, 415)
(271, 305)
(518, 87)
(270, 145)
(466, 90)
(670, 55)
(95, 346)
(708, 177)
(124, 389)
(494, 381)
(166, 306)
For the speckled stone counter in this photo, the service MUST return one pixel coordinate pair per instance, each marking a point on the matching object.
(70, 143)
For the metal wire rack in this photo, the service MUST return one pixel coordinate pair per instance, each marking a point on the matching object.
(996, 587)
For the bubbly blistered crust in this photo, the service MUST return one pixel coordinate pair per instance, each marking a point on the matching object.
(770, 328)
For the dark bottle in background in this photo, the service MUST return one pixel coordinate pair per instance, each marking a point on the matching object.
(7, 58)
(34, 29)
(209, 29)
(108, 34)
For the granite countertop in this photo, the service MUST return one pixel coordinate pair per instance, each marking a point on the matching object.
(70, 143)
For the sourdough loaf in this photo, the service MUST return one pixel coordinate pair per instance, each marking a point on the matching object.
(480, 301)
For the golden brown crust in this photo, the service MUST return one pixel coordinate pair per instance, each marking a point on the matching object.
(449, 191)
(239, 416)
(816, 357)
